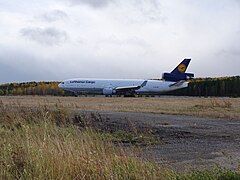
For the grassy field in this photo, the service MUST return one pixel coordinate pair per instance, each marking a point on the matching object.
(227, 108)
(41, 143)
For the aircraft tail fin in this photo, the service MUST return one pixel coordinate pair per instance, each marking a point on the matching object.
(182, 67)
(178, 73)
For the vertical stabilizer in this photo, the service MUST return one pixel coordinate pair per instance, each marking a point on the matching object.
(182, 67)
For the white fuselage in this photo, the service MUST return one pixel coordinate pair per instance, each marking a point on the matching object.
(100, 85)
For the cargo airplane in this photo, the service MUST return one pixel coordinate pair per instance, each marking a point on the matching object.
(177, 79)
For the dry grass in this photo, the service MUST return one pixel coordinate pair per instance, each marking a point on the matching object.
(38, 143)
(227, 108)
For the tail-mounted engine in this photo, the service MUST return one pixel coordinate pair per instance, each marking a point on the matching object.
(177, 77)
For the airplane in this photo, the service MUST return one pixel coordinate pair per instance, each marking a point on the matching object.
(177, 79)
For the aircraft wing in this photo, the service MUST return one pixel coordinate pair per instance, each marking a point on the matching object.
(130, 88)
(177, 84)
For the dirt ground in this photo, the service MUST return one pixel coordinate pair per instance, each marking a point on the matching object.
(195, 132)
(187, 142)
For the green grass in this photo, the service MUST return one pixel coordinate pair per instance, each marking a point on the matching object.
(47, 144)
(131, 138)
(212, 174)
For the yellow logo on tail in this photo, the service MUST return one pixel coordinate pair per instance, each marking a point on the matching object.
(182, 68)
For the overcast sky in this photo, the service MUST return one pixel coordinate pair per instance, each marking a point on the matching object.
(60, 39)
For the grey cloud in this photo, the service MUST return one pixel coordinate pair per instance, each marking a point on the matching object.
(135, 41)
(238, 1)
(48, 36)
(235, 51)
(232, 49)
(17, 66)
(92, 3)
(235, 47)
(55, 15)
(141, 11)
(150, 8)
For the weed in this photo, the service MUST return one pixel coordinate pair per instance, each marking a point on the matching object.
(41, 143)
(227, 108)
(215, 173)
(215, 104)
(44, 144)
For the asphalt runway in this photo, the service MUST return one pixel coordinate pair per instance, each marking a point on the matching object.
(187, 142)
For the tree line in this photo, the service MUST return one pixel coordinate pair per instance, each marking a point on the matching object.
(225, 86)
(31, 88)
(220, 87)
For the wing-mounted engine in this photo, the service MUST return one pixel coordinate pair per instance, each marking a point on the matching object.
(109, 91)
(177, 77)
(123, 89)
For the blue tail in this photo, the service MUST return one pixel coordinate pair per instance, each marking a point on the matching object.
(178, 73)
(182, 67)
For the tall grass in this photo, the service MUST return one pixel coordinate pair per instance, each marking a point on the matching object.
(44, 144)
(38, 143)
